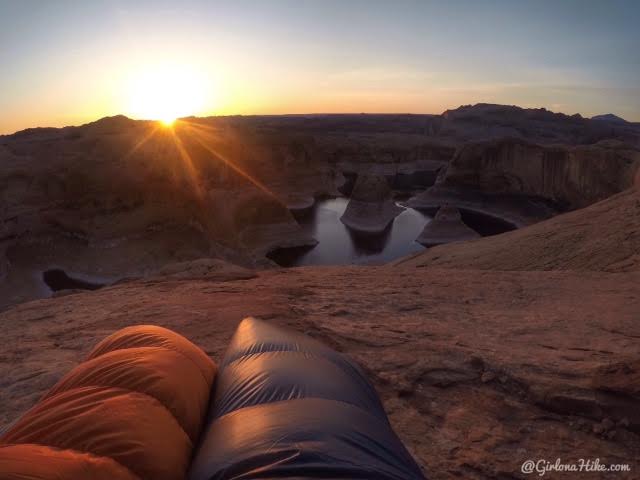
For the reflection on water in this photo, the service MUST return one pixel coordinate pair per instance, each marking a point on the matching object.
(339, 245)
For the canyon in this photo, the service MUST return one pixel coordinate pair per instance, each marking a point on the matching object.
(515, 338)
(119, 198)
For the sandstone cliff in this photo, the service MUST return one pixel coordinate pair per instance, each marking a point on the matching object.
(571, 177)
(523, 183)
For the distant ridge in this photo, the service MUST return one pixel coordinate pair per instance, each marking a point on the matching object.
(509, 116)
(609, 117)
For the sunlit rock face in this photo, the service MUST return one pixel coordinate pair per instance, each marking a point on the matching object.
(371, 208)
(446, 227)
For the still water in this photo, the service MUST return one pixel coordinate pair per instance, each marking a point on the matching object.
(339, 245)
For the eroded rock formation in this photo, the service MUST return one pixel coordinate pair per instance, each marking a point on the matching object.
(371, 208)
(446, 227)
(602, 237)
(571, 177)
(523, 183)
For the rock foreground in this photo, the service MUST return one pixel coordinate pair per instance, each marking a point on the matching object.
(511, 365)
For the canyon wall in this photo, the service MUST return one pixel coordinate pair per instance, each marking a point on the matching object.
(569, 176)
(120, 198)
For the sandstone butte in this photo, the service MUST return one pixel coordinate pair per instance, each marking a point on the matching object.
(486, 353)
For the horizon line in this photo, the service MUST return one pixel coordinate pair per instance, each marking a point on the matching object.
(8, 134)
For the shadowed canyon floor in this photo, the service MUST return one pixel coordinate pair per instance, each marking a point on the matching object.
(512, 365)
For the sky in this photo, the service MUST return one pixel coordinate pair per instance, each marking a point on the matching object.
(71, 62)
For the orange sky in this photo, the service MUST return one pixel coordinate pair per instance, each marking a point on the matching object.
(69, 63)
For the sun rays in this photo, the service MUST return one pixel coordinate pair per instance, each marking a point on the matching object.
(203, 135)
(190, 169)
(140, 143)
(184, 136)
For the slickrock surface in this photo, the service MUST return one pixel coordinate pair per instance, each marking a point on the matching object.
(446, 227)
(479, 370)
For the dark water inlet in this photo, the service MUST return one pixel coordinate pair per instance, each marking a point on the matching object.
(57, 279)
(339, 245)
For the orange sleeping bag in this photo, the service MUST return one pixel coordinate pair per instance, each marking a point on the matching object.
(132, 410)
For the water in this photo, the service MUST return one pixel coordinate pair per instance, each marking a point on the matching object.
(338, 245)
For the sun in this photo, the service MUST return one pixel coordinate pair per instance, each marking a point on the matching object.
(168, 121)
(166, 93)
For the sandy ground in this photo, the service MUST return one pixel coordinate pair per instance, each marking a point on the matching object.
(479, 370)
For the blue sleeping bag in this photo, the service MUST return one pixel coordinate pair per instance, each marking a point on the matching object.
(285, 406)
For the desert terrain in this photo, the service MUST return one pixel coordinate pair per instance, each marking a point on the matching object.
(488, 349)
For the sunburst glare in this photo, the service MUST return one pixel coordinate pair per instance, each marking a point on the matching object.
(168, 92)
